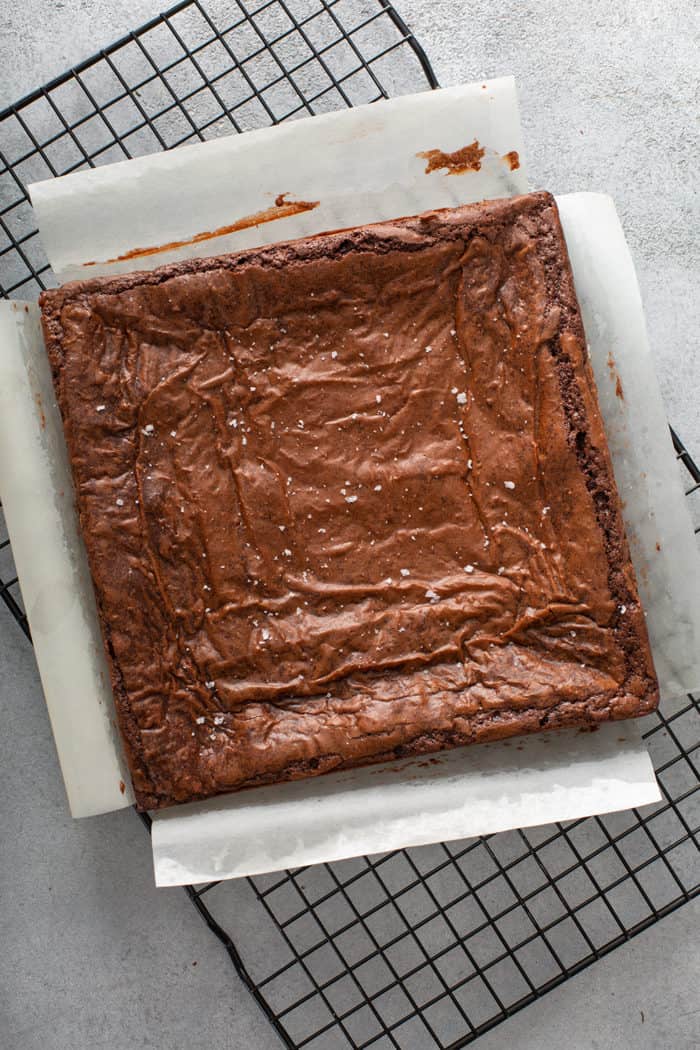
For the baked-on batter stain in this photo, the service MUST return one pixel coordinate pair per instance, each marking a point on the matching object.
(282, 209)
(122, 786)
(468, 158)
(619, 392)
(42, 416)
(512, 158)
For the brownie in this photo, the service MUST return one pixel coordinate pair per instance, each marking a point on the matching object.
(347, 498)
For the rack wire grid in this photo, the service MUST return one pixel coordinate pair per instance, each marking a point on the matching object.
(417, 948)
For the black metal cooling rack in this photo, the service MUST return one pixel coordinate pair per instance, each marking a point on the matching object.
(419, 948)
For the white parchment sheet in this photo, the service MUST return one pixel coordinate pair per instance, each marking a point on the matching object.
(37, 498)
(360, 165)
(356, 166)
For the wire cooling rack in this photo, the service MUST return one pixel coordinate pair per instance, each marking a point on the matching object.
(419, 948)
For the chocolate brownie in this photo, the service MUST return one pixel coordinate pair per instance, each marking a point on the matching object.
(347, 498)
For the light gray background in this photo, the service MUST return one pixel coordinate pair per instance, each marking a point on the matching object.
(91, 955)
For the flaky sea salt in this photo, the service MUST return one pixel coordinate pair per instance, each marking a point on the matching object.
(469, 568)
(377, 488)
(100, 408)
(148, 429)
(461, 398)
(405, 572)
(509, 484)
(119, 502)
(351, 499)
(432, 596)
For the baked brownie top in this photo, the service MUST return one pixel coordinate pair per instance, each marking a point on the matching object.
(346, 498)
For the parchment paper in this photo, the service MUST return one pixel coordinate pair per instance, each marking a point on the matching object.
(37, 498)
(657, 517)
(361, 165)
(453, 795)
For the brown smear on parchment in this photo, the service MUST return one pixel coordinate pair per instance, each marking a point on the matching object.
(281, 209)
(512, 159)
(468, 158)
(42, 415)
(619, 392)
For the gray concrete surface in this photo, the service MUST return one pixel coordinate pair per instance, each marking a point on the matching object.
(92, 956)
